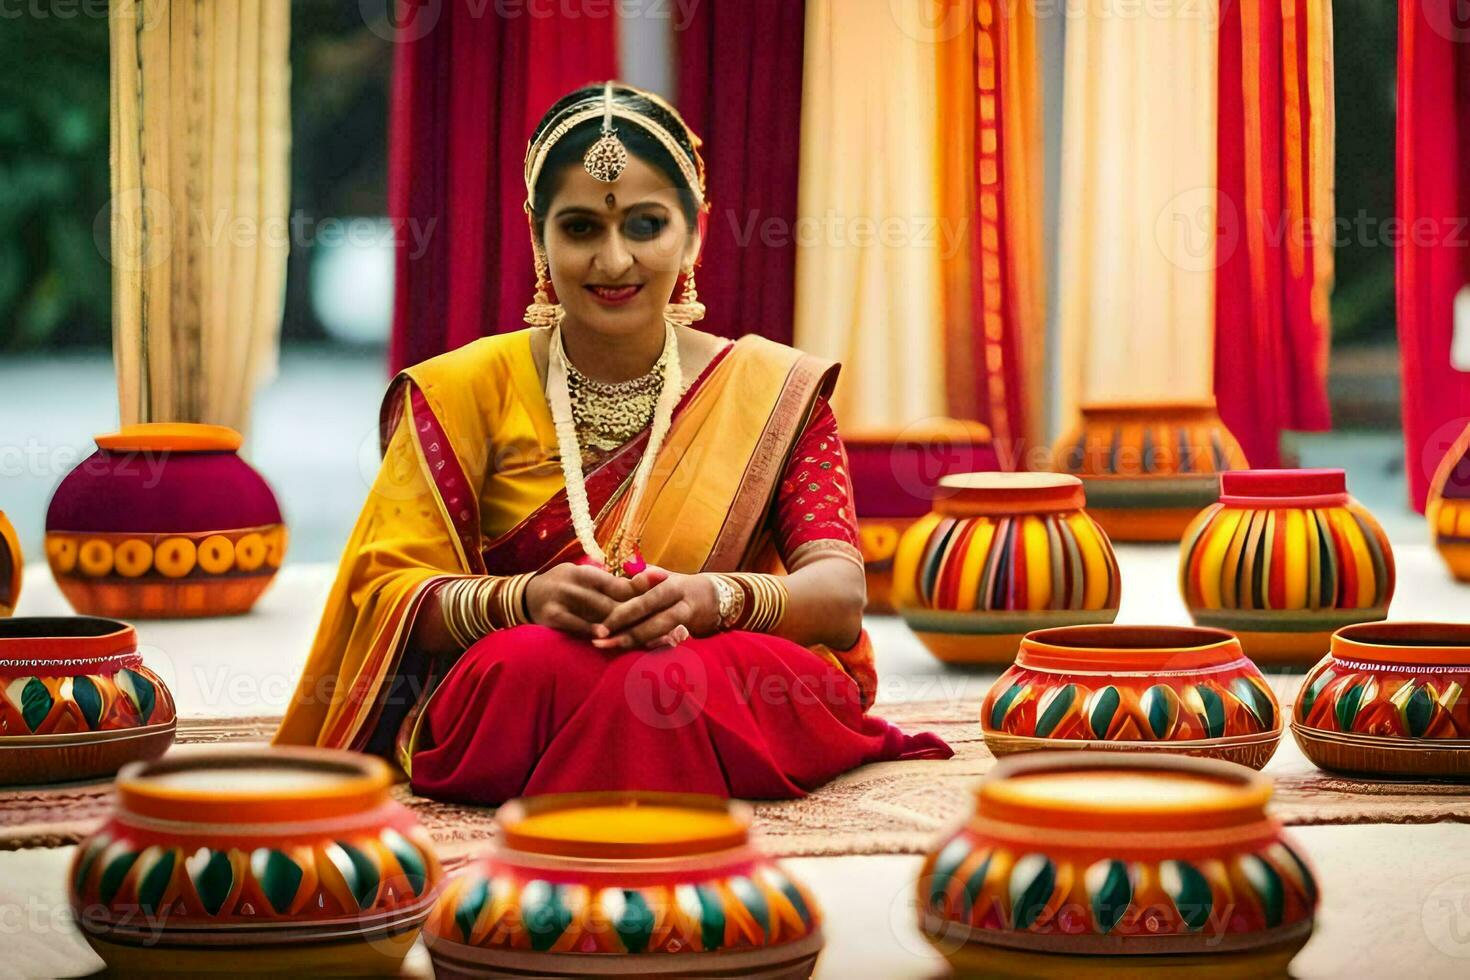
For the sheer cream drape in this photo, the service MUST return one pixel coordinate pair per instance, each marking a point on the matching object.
(1138, 203)
(869, 289)
(200, 184)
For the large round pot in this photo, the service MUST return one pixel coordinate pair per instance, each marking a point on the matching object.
(894, 474)
(1133, 689)
(1149, 468)
(624, 884)
(165, 520)
(1149, 863)
(1448, 507)
(1389, 700)
(76, 700)
(1000, 555)
(1282, 560)
(11, 565)
(255, 861)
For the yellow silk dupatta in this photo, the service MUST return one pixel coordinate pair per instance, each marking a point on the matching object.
(458, 420)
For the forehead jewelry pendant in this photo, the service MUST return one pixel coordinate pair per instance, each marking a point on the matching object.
(606, 159)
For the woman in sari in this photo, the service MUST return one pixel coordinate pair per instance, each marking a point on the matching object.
(610, 551)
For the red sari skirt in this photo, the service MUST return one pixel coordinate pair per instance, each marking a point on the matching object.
(531, 710)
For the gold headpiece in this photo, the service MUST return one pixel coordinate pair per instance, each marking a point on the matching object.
(606, 159)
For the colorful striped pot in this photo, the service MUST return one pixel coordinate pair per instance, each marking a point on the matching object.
(164, 521)
(625, 884)
(76, 701)
(1148, 468)
(1389, 700)
(894, 474)
(283, 861)
(1448, 509)
(1133, 689)
(1282, 560)
(11, 566)
(1000, 555)
(1143, 863)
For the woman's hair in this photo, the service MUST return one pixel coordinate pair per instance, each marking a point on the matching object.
(569, 150)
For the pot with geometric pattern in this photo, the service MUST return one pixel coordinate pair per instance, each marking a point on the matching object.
(264, 861)
(1133, 689)
(1389, 700)
(1085, 863)
(164, 521)
(76, 701)
(1282, 560)
(627, 884)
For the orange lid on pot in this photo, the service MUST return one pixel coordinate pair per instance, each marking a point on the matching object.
(171, 437)
(983, 494)
(624, 825)
(1283, 488)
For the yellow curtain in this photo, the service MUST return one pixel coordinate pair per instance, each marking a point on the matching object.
(1138, 202)
(869, 267)
(200, 182)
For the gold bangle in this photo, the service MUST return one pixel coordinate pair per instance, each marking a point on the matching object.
(765, 601)
(474, 606)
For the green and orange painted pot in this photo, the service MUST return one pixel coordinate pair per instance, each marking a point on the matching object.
(1282, 560)
(1149, 467)
(1133, 689)
(11, 566)
(1077, 863)
(1389, 700)
(274, 861)
(1000, 555)
(76, 700)
(164, 521)
(624, 884)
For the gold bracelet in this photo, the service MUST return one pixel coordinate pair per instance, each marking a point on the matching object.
(474, 606)
(765, 601)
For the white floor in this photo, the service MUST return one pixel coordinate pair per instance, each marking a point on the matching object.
(1396, 898)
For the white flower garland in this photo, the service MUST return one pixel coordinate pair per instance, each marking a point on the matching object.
(559, 395)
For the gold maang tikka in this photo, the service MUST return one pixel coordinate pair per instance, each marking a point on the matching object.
(606, 159)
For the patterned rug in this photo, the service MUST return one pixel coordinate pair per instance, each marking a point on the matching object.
(887, 808)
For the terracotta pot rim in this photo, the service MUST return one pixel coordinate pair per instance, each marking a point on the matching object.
(1413, 643)
(997, 492)
(171, 437)
(65, 638)
(1125, 646)
(513, 813)
(1185, 405)
(998, 800)
(1303, 487)
(364, 784)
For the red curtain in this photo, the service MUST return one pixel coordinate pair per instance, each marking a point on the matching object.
(740, 70)
(1273, 273)
(469, 85)
(1433, 259)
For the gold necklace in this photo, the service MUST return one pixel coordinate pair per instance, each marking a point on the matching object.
(609, 413)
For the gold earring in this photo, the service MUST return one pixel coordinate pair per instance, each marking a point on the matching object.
(689, 309)
(543, 312)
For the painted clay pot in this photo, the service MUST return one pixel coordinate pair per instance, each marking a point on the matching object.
(627, 884)
(76, 700)
(1000, 555)
(1448, 509)
(1133, 689)
(11, 565)
(893, 479)
(1137, 862)
(290, 861)
(1389, 700)
(1149, 469)
(1282, 560)
(165, 520)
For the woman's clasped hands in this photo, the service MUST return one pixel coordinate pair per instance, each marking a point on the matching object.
(656, 608)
